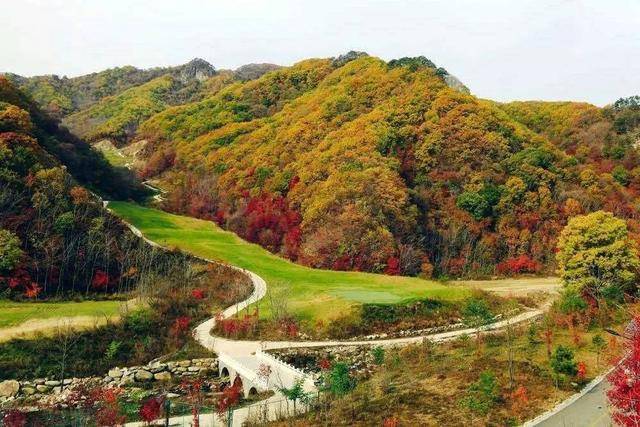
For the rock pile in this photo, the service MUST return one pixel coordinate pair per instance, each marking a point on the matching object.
(117, 377)
(360, 359)
(161, 371)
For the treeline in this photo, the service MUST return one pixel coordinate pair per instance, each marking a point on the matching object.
(362, 165)
(112, 103)
(55, 236)
(61, 96)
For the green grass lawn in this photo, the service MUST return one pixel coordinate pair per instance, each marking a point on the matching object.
(114, 156)
(311, 293)
(14, 313)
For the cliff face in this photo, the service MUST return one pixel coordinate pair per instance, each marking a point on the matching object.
(196, 69)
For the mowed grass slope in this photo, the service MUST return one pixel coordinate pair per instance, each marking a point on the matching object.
(310, 293)
(15, 313)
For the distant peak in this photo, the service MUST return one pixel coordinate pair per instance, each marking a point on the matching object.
(254, 71)
(348, 57)
(199, 62)
(197, 69)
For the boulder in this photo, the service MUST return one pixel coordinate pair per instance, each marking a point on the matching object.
(128, 380)
(43, 388)
(158, 367)
(115, 373)
(52, 383)
(193, 369)
(184, 363)
(162, 376)
(28, 391)
(143, 376)
(9, 388)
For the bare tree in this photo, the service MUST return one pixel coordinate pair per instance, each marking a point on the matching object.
(67, 339)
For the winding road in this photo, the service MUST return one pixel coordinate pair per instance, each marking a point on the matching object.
(246, 357)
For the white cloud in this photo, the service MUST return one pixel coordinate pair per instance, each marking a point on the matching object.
(525, 49)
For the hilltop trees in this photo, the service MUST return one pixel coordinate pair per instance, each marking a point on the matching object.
(595, 252)
(357, 164)
(388, 169)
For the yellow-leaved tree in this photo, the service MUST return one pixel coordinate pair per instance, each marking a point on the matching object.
(595, 254)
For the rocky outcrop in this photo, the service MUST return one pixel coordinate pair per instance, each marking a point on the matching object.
(347, 57)
(454, 83)
(196, 69)
(116, 377)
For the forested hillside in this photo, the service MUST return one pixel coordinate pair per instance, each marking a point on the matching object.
(55, 236)
(355, 163)
(112, 103)
(118, 117)
(60, 96)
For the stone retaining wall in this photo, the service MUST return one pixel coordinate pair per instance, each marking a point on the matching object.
(116, 377)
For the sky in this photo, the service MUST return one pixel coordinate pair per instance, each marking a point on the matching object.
(580, 50)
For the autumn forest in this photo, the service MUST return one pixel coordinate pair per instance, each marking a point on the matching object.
(433, 236)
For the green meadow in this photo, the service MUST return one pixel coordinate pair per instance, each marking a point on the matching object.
(310, 293)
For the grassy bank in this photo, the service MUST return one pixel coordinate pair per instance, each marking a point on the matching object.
(310, 293)
(15, 313)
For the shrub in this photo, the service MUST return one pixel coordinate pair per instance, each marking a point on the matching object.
(378, 355)
(14, 418)
(482, 394)
(572, 302)
(10, 252)
(562, 361)
(339, 381)
(476, 312)
(389, 313)
(151, 409)
(518, 265)
(112, 350)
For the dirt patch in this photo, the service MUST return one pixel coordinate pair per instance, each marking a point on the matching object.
(516, 287)
(34, 327)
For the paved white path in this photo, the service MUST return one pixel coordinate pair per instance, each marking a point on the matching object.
(245, 356)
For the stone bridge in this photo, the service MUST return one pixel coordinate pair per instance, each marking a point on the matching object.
(260, 372)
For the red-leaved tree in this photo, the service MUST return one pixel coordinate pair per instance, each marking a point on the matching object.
(230, 398)
(624, 393)
(14, 418)
(151, 409)
(193, 392)
(107, 406)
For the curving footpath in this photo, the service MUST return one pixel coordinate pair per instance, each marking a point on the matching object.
(245, 358)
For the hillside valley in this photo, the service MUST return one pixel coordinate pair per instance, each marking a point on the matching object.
(353, 163)
(346, 234)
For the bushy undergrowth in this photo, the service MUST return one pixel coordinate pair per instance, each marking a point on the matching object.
(502, 378)
(176, 303)
(367, 319)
